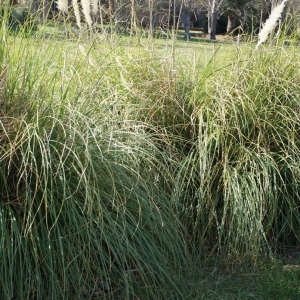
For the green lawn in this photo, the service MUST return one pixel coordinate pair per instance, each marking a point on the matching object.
(272, 282)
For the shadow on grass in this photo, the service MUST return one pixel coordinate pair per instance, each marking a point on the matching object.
(270, 280)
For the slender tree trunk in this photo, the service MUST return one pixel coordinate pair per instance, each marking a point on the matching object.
(231, 22)
(111, 10)
(154, 21)
(213, 8)
(212, 24)
(187, 34)
(133, 18)
(112, 7)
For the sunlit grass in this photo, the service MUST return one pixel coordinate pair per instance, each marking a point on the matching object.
(79, 216)
(124, 161)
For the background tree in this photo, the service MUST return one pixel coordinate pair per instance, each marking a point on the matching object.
(214, 7)
(233, 9)
(187, 9)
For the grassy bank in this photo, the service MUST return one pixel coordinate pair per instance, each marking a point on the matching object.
(124, 164)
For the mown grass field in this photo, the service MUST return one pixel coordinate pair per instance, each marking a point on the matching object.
(136, 168)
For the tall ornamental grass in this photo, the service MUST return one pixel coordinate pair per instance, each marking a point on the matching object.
(230, 126)
(85, 205)
(118, 163)
(237, 189)
(232, 122)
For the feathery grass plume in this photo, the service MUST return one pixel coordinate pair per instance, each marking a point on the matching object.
(62, 5)
(270, 23)
(76, 12)
(95, 4)
(86, 8)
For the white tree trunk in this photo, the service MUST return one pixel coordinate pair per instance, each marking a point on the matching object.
(213, 10)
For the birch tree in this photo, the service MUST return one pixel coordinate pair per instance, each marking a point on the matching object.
(213, 7)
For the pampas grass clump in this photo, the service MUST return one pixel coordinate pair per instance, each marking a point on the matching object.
(110, 177)
(238, 186)
(84, 211)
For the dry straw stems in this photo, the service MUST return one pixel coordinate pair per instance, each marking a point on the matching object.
(84, 53)
(3, 79)
(270, 23)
